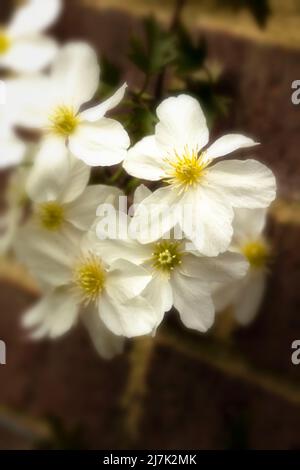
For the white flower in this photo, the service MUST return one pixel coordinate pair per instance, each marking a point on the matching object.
(58, 188)
(179, 277)
(247, 294)
(23, 47)
(15, 202)
(199, 195)
(53, 104)
(12, 216)
(80, 282)
(12, 149)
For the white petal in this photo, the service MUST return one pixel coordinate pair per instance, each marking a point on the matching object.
(145, 160)
(32, 99)
(248, 224)
(50, 171)
(227, 144)
(249, 297)
(182, 123)
(35, 16)
(160, 295)
(207, 221)
(76, 74)
(222, 268)
(53, 316)
(223, 295)
(78, 178)
(248, 184)
(136, 317)
(106, 343)
(82, 211)
(126, 280)
(193, 301)
(99, 111)
(155, 216)
(115, 249)
(48, 256)
(30, 55)
(12, 151)
(103, 143)
(141, 193)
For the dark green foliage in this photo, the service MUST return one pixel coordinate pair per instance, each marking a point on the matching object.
(191, 53)
(260, 9)
(157, 51)
(60, 437)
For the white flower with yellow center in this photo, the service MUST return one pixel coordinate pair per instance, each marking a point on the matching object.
(179, 277)
(80, 284)
(23, 47)
(246, 295)
(58, 188)
(199, 194)
(53, 104)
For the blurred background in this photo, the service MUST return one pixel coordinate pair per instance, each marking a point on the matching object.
(234, 388)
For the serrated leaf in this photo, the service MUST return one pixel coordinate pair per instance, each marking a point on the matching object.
(191, 53)
(260, 9)
(157, 51)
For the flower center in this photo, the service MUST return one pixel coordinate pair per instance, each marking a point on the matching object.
(166, 256)
(51, 215)
(89, 278)
(64, 121)
(257, 253)
(186, 170)
(5, 42)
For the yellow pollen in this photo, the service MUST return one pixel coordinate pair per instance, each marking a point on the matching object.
(89, 278)
(64, 121)
(166, 256)
(257, 253)
(186, 171)
(5, 42)
(51, 215)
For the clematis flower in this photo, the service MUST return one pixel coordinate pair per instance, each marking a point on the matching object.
(15, 199)
(246, 295)
(199, 193)
(53, 104)
(23, 47)
(58, 188)
(12, 149)
(179, 277)
(78, 282)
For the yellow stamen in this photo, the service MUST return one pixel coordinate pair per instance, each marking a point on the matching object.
(166, 256)
(51, 215)
(257, 252)
(186, 170)
(89, 278)
(64, 121)
(5, 42)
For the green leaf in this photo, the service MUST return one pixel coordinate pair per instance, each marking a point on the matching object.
(110, 73)
(157, 51)
(191, 53)
(110, 78)
(260, 9)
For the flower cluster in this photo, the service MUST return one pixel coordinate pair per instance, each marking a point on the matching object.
(195, 243)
